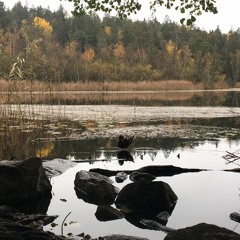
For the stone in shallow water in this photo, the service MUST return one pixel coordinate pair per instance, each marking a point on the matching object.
(108, 213)
(120, 177)
(57, 166)
(140, 176)
(147, 196)
(123, 237)
(203, 231)
(22, 181)
(95, 188)
(15, 225)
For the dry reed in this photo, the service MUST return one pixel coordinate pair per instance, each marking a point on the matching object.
(29, 86)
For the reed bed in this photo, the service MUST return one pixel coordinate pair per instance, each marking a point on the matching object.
(31, 86)
(105, 98)
(15, 93)
(131, 86)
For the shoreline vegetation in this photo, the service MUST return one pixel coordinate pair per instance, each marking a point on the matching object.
(14, 94)
(106, 86)
(145, 93)
(50, 51)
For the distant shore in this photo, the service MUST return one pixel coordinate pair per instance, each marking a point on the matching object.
(140, 86)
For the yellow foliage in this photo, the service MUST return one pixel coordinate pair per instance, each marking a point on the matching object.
(24, 22)
(229, 34)
(71, 48)
(119, 51)
(45, 150)
(108, 30)
(120, 35)
(43, 24)
(170, 48)
(88, 55)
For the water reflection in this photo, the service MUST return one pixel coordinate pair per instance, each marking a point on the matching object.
(229, 98)
(201, 140)
(123, 156)
(74, 139)
(196, 201)
(39, 206)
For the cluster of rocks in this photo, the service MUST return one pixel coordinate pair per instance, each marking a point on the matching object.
(25, 185)
(134, 204)
(131, 201)
(15, 225)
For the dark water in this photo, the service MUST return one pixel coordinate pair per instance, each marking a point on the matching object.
(201, 127)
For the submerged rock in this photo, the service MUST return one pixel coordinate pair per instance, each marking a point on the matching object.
(123, 237)
(23, 181)
(167, 170)
(203, 231)
(156, 226)
(95, 188)
(155, 170)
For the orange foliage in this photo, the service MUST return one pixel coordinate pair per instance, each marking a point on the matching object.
(88, 55)
(119, 51)
(170, 48)
(108, 31)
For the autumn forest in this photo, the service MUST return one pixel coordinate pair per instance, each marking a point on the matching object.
(38, 44)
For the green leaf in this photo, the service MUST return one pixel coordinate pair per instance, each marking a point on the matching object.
(193, 19)
(182, 10)
(182, 20)
(189, 22)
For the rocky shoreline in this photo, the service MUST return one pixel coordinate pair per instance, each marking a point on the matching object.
(25, 193)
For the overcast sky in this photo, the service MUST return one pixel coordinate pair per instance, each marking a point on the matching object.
(228, 16)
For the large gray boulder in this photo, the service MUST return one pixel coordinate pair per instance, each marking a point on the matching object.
(147, 196)
(57, 166)
(203, 231)
(22, 181)
(95, 188)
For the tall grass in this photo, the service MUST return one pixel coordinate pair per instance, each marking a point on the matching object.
(27, 86)
(14, 93)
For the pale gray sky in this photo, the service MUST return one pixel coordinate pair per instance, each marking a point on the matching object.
(228, 17)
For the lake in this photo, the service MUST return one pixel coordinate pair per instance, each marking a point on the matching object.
(202, 127)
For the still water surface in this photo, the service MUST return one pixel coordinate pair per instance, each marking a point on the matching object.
(201, 128)
(207, 196)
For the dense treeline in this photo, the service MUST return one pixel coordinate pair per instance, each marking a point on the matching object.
(36, 43)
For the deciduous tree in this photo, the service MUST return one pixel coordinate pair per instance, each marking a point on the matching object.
(125, 8)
